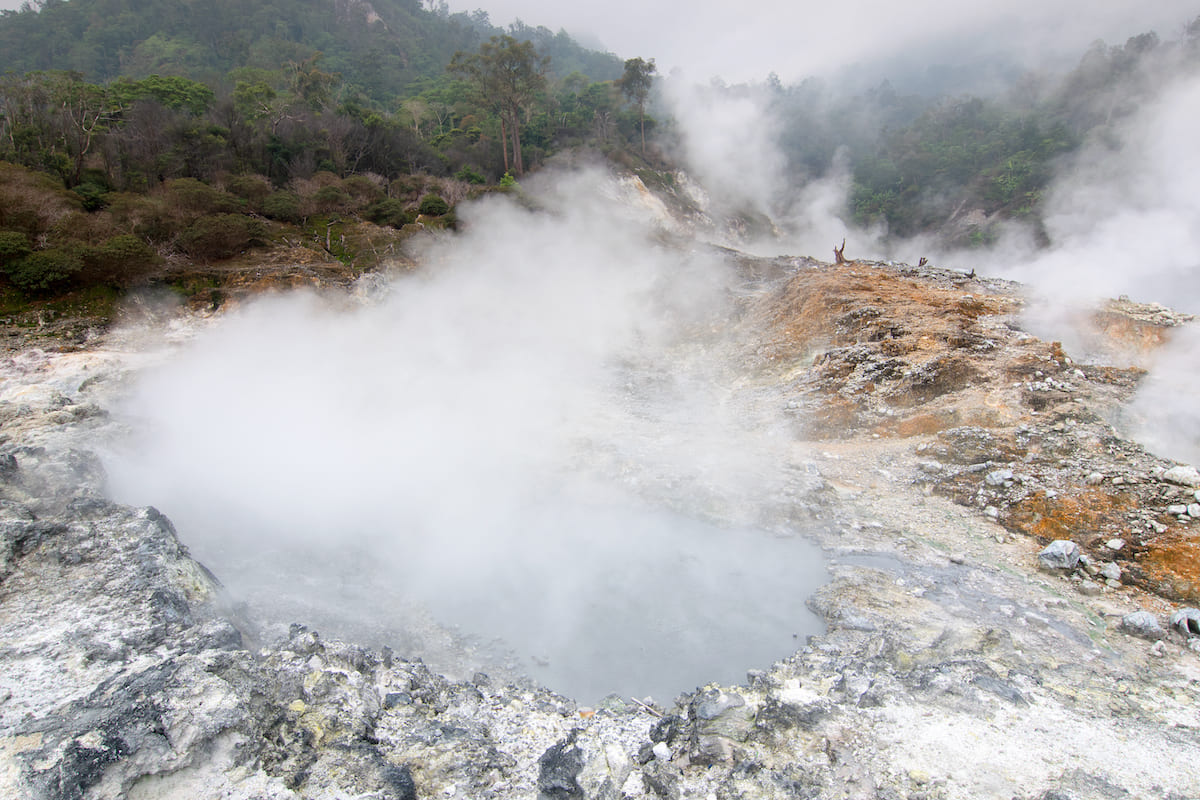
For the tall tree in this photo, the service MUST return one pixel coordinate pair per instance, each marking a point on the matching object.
(507, 75)
(635, 84)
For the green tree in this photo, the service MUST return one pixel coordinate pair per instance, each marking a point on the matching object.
(635, 85)
(507, 75)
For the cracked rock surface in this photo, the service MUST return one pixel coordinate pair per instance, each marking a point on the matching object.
(938, 450)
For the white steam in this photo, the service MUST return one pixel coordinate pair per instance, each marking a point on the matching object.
(748, 41)
(729, 143)
(1126, 218)
(499, 438)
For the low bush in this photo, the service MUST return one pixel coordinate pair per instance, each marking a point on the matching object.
(283, 206)
(433, 205)
(253, 188)
(389, 211)
(14, 245)
(44, 270)
(189, 194)
(331, 200)
(220, 236)
(120, 259)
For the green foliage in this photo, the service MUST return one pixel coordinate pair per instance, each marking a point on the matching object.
(433, 205)
(507, 76)
(508, 181)
(252, 188)
(220, 236)
(44, 270)
(469, 175)
(14, 245)
(173, 92)
(283, 206)
(94, 196)
(191, 195)
(331, 199)
(362, 189)
(388, 211)
(121, 258)
(163, 44)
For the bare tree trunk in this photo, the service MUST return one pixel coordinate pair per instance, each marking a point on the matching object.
(839, 253)
(504, 142)
(518, 162)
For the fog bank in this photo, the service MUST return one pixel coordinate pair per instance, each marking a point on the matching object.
(527, 436)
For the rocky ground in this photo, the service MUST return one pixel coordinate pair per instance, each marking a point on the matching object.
(938, 450)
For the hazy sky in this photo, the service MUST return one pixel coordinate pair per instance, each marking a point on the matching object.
(794, 39)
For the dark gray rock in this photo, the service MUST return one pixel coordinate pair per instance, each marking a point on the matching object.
(558, 770)
(1060, 554)
(1142, 623)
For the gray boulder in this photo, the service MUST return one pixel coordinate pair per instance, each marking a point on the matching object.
(1182, 476)
(1144, 624)
(1060, 554)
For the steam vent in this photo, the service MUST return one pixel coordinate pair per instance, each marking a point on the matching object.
(666, 520)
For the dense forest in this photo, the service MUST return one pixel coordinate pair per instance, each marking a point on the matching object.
(141, 130)
(918, 163)
(168, 128)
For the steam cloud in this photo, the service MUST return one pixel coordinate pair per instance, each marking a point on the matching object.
(796, 40)
(524, 436)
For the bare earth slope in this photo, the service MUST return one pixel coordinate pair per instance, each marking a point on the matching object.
(938, 448)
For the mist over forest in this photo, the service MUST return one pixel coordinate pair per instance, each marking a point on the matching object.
(904, 150)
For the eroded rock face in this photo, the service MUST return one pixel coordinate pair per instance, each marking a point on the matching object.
(951, 666)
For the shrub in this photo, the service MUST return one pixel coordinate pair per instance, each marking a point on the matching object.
(189, 194)
(254, 188)
(469, 175)
(362, 189)
(219, 236)
(94, 196)
(283, 206)
(43, 270)
(389, 211)
(14, 245)
(433, 206)
(330, 199)
(121, 258)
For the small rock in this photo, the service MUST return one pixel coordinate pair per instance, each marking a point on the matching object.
(1187, 621)
(1090, 588)
(991, 511)
(1142, 623)
(1095, 479)
(1177, 509)
(1159, 649)
(1115, 544)
(661, 751)
(1183, 476)
(1060, 554)
(999, 477)
(1111, 571)
(1193, 510)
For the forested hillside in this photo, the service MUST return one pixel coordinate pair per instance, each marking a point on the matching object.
(143, 130)
(140, 91)
(918, 164)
